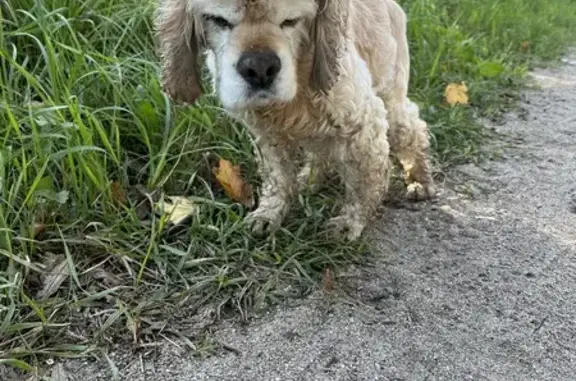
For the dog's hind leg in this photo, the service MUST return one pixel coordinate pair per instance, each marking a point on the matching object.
(408, 133)
(409, 142)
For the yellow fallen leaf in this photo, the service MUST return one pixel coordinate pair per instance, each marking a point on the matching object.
(177, 208)
(456, 94)
(236, 188)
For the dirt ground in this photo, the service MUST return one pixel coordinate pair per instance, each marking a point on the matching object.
(479, 286)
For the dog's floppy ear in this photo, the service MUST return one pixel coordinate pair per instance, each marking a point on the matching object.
(328, 35)
(179, 43)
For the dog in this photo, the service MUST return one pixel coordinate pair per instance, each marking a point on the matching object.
(326, 77)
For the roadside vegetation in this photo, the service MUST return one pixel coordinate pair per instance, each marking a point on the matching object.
(89, 147)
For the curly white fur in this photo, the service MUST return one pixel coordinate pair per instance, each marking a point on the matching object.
(341, 93)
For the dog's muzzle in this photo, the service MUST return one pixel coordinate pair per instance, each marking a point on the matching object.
(259, 69)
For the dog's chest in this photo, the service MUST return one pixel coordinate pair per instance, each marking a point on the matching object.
(300, 124)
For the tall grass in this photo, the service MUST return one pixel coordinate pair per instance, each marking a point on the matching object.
(87, 139)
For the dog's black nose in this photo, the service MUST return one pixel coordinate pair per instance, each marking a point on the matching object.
(259, 69)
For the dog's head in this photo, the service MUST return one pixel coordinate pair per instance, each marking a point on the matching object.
(263, 50)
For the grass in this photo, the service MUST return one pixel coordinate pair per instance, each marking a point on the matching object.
(87, 139)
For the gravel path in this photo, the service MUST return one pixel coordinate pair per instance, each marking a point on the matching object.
(480, 286)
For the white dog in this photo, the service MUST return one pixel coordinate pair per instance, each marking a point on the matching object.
(326, 76)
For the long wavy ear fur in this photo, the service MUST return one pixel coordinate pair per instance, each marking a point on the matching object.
(179, 45)
(329, 38)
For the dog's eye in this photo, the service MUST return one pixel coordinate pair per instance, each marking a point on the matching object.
(219, 21)
(289, 23)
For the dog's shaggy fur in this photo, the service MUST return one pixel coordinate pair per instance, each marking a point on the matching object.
(340, 93)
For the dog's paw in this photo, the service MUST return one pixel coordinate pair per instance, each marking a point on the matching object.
(263, 221)
(417, 192)
(345, 226)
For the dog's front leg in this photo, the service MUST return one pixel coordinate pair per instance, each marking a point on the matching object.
(364, 165)
(278, 171)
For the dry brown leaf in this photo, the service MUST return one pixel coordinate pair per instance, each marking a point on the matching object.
(328, 280)
(234, 185)
(525, 46)
(54, 279)
(118, 194)
(456, 94)
(177, 208)
(39, 229)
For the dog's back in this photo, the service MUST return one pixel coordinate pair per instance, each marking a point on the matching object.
(379, 28)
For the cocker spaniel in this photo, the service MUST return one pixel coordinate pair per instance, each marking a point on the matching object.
(328, 77)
